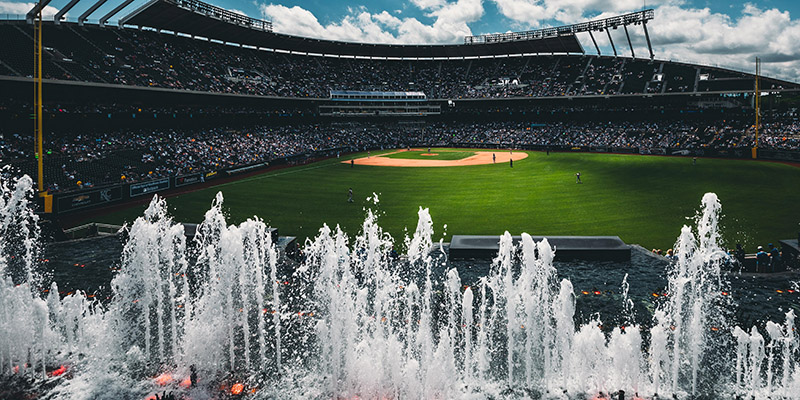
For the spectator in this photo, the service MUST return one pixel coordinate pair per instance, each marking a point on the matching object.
(739, 254)
(774, 258)
(762, 260)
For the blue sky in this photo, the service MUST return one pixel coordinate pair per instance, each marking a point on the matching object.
(711, 32)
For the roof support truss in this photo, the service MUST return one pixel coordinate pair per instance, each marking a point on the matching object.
(595, 43)
(89, 12)
(61, 12)
(633, 55)
(114, 12)
(612, 42)
(647, 35)
(39, 6)
(124, 20)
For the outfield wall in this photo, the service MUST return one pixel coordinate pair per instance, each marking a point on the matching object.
(98, 197)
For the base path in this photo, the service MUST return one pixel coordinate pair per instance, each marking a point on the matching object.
(480, 158)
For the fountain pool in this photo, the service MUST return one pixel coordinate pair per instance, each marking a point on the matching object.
(227, 316)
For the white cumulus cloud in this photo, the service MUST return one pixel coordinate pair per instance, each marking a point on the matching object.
(704, 37)
(680, 32)
(450, 23)
(11, 7)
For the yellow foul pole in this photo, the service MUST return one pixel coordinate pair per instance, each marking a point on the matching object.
(757, 100)
(39, 108)
(39, 112)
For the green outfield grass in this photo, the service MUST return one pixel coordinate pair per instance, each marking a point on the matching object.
(440, 155)
(642, 199)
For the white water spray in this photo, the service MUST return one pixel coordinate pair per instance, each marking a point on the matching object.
(216, 304)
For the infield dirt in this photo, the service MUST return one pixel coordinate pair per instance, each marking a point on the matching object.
(480, 158)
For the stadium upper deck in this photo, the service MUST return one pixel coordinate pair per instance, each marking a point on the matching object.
(191, 45)
(201, 19)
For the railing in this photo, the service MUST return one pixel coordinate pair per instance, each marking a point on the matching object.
(12, 17)
(223, 14)
(91, 229)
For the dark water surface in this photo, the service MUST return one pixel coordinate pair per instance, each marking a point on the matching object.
(750, 299)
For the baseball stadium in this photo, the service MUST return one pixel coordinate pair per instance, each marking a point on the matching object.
(196, 205)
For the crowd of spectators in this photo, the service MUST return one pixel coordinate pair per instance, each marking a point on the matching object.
(642, 136)
(152, 59)
(15, 107)
(87, 159)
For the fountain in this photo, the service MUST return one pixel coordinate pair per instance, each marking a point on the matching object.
(219, 314)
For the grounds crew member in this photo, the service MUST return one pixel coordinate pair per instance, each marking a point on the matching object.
(762, 260)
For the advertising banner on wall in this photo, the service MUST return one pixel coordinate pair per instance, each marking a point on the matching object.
(779, 155)
(188, 180)
(81, 200)
(138, 189)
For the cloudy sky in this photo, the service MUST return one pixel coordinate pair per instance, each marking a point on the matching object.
(712, 32)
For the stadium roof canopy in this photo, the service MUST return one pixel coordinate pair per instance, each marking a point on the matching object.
(197, 18)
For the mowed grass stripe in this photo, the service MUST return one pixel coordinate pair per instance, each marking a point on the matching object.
(643, 199)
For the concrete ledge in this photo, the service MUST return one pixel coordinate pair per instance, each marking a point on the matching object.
(597, 248)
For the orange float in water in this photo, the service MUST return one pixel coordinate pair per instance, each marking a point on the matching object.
(186, 382)
(163, 379)
(58, 372)
(237, 388)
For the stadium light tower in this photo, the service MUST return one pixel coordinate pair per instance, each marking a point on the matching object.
(598, 25)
